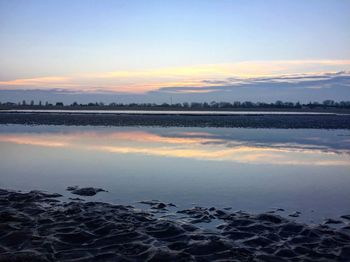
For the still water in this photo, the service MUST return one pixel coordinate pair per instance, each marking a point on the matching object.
(253, 170)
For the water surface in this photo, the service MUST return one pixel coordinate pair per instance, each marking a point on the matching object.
(253, 170)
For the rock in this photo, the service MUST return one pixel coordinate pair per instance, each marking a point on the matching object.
(149, 202)
(221, 214)
(202, 219)
(45, 194)
(332, 221)
(235, 235)
(290, 229)
(295, 214)
(240, 222)
(71, 188)
(270, 218)
(346, 217)
(159, 206)
(155, 204)
(85, 191)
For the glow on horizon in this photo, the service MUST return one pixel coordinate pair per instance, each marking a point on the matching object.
(140, 46)
(141, 81)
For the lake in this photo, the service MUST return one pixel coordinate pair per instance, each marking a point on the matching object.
(255, 170)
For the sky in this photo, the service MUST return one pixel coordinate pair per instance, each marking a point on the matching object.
(198, 50)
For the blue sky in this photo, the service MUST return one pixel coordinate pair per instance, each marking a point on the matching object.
(142, 46)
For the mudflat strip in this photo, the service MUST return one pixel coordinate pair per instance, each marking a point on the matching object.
(36, 226)
(331, 121)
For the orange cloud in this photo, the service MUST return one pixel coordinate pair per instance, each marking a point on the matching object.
(38, 81)
(139, 81)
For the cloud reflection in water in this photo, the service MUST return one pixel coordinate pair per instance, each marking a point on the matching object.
(249, 146)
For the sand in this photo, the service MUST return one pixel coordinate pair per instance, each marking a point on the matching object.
(38, 226)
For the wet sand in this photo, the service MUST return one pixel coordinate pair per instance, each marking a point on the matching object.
(37, 226)
(331, 121)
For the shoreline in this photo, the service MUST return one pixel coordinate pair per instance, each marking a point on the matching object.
(36, 226)
(293, 121)
(177, 112)
(180, 109)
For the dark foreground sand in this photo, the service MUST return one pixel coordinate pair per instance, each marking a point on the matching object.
(252, 121)
(35, 226)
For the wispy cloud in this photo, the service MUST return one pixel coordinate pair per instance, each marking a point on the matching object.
(194, 79)
(283, 82)
(38, 81)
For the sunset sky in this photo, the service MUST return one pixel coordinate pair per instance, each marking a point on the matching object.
(192, 50)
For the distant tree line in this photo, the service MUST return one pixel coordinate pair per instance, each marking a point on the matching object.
(186, 105)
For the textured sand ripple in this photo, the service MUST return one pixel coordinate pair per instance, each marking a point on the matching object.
(35, 226)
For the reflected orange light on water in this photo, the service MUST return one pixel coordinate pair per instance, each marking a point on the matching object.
(187, 145)
(32, 140)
